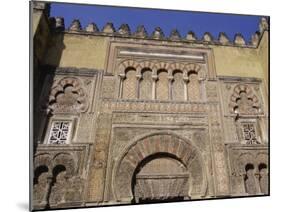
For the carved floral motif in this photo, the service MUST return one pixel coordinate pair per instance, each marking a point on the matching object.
(244, 101)
(68, 95)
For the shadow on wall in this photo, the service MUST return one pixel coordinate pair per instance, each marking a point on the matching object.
(43, 78)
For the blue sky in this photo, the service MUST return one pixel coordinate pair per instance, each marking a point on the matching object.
(151, 18)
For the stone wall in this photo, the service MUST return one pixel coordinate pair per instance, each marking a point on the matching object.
(118, 107)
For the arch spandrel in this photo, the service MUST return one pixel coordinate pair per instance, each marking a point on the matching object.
(161, 143)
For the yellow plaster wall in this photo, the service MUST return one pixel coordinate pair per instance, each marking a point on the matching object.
(36, 17)
(70, 50)
(263, 57)
(235, 61)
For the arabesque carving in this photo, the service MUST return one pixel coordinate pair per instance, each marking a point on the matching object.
(159, 146)
(243, 101)
(68, 95)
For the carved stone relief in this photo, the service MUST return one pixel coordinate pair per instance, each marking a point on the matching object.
(164, 80)
(151, 145)
(56, 169)
(243, 100)
(249, 165)
(108, 87)
(68, 95)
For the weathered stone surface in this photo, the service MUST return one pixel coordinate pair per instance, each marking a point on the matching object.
(140, 118)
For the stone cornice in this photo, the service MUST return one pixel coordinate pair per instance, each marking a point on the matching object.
(124, 32)
(70, 71)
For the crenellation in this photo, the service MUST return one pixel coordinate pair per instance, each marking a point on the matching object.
(263, 25)
(255, 38)
(124, 31)
(239, 39)
(108, 28)
(191, 36)
(60, 23)
(158, 33)
(92, 27)
(207, 37)
(223, 39)
(75, 25)
(141, 32)
(175, 35)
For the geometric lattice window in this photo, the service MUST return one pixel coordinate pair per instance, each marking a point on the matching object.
(129, 85)
(59, 133)
(162, 86)
(249, 133)
(178, 86)
(146, 85)
(193, 87)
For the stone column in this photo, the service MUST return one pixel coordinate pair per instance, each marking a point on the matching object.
(121, 78)
(185, 79)
(201, 78)
(138, 76)
(257, 182)
(45, 200)
(154, 78)
(170, 78)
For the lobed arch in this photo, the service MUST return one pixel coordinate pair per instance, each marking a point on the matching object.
(69, 88)
(157, 65)
(256, 160)
(236, 95)
(127, 63)
(65, 159)
(43, 159)
(146, 145)
(243, 160)
(161, 65)
(261, 158)
(177, 66)
(192, 67)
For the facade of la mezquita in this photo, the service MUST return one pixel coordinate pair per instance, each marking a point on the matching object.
(125, 117)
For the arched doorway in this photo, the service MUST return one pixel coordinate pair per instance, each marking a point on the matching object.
(159, 167)
(160, 177)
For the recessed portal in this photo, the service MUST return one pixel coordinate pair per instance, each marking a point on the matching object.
(160, 178)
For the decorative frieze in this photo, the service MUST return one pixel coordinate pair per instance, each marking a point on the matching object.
(162, 118)
(216, 137)
(109, 105)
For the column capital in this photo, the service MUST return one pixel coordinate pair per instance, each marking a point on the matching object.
(185, 79)
(138, 76)
(154, 77)
(170, 78)
(122, 75)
